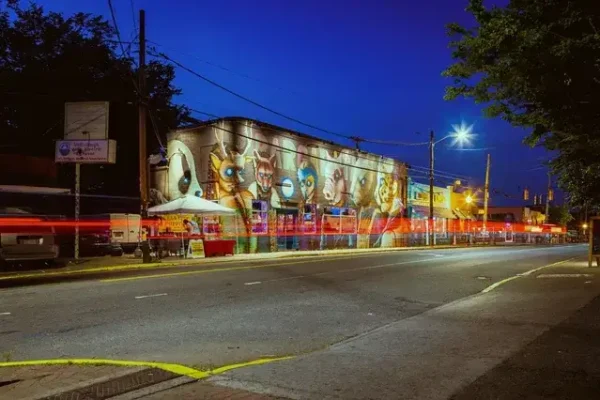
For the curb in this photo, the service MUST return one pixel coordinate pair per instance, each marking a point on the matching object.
(178, 369)
(207, 261)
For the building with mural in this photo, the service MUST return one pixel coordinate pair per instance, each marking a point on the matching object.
(418, 210)
(290, 190)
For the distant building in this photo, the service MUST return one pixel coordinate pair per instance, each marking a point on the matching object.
(525, 215)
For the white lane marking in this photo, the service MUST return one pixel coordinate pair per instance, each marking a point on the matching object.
(4, 313)
(502, 282)
(438, 255)
(531, 271)
(252, 283)
(588, 282)
(150, 295)
(565, 276)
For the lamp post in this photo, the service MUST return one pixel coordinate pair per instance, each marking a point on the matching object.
(461, 134)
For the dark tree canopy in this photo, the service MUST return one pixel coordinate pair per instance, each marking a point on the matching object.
(47, 59)
(536, 64)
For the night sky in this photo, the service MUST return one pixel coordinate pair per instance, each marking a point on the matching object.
(364, 68)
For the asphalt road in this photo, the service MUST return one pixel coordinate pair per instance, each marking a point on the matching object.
(237, 311)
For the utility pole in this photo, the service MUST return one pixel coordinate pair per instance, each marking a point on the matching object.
(548, 198)
(145, 247)
(142, 116)
(486, 194)
(431, 226)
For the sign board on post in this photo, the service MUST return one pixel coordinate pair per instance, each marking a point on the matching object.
(87, 120)
(594, 251)
(102, 151)
(196, 249)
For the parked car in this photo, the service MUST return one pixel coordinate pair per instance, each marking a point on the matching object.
(26, 237)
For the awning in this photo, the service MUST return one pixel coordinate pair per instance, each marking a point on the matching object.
(438, 212)
(463, 214)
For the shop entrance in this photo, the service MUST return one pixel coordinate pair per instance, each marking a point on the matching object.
(287, 221)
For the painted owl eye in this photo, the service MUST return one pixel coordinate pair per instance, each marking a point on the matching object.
(309, 183)
(229, 172)
(363, 181)
(198, 193)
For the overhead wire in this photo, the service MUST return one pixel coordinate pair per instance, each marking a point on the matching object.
(135, 84)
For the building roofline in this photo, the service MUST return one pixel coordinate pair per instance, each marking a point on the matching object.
(280, 128)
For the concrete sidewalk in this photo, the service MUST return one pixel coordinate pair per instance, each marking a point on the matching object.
(129, 262)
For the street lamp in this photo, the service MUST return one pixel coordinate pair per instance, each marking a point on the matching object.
(469, 199)
(461, 134)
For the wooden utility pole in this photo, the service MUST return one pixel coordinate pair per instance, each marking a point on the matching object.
(548, 198)
(431, 221)
(142, 117)
(486, 194)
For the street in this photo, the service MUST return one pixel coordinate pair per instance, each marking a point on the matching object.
(356, 323)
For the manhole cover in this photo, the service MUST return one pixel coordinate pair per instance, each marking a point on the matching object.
(115, 387)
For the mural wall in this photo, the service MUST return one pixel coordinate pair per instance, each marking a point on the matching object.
(290, 190)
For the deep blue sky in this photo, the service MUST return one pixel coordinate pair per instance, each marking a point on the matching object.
(366, 68)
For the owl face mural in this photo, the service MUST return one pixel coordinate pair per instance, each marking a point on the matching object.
(182, 172)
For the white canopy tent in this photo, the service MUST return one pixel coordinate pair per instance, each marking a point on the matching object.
(190, 205)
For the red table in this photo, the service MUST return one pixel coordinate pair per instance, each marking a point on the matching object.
(218, 247)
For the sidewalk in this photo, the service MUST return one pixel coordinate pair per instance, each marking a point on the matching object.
(108, 382)
(129, 262)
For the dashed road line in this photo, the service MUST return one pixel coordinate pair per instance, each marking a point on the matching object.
(150, 295)
(252, 283)
(4, 313)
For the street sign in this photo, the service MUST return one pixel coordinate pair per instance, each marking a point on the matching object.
(86, 151)
(86, 120)
(594, 250)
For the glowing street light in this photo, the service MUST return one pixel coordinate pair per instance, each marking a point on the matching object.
(469, 199)
(461, 134)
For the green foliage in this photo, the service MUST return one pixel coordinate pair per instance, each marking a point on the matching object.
(560, 215)
(47, 59)
(536, 64)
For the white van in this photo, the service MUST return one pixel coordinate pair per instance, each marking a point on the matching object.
(125, 230)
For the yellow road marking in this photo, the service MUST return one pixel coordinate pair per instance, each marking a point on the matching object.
(174, 368)
(527, 273)
(207, 271)
(170, 264)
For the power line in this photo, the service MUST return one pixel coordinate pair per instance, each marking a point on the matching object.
(257, 104)
(117, 32)
(223, 68)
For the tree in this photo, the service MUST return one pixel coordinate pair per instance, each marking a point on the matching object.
(47, 59)
(536, 64)
(559, 215)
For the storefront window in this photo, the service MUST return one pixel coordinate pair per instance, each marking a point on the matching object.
(259, 217)
(339, 220)
(309, 218)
